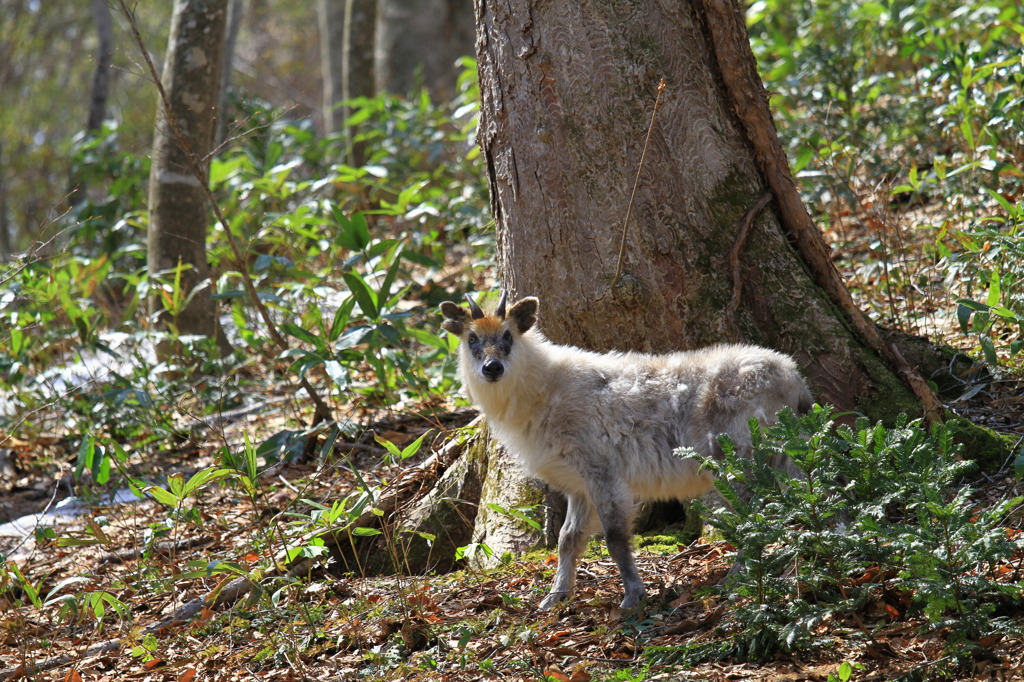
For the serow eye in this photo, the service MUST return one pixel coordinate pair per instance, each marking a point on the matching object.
(473, 338)
(507, 336)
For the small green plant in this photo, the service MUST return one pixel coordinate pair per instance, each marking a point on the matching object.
(992, 319)
(902, 122)
(85, 604)
(14, 583)
(845, 672)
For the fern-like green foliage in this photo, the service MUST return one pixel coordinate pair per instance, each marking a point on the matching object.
(874, 513)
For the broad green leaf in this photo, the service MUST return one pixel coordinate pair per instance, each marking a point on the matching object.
(1001, 200)
(341, 318)
(388, 445)
(203, 478)
(66, 582)
(968, 132)
(355, 233)
(337, 372)
(285, 445)
(993, 289)
(162, 496)
(86, 452)
(389, 279)
(413, 447)
(363, 293)
(989, 350)
(303, 335)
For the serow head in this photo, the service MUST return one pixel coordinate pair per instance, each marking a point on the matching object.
(489, 337)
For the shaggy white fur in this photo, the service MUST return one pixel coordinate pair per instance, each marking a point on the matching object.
(603, 427)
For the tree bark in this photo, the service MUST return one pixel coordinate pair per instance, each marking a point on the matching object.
(104, 58)
(100, 91)
(331, 18)
(5, 229)
(715, 246)
(178, 211)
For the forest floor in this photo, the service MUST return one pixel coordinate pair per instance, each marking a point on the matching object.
(467, 625)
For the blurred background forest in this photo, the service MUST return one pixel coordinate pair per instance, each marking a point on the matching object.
(361, 201)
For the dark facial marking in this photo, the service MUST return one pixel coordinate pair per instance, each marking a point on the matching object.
(475, 346)
(494, 344)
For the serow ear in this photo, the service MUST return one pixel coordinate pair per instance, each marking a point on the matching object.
(524, 314)
(455, 318)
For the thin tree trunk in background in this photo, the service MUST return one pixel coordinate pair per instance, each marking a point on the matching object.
(5, 226)
(236, 10)
(332, 40)
(418, 42)
(347, 38)
(104, 58)
(100, 91)
(357, 75)
(357, 69)
(178, 212)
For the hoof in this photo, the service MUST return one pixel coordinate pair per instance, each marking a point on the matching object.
(552, 599)
(631, 601)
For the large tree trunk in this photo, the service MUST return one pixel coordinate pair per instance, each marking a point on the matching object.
(178, 211)
(718, 246)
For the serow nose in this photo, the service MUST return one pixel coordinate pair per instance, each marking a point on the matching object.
(493, 370)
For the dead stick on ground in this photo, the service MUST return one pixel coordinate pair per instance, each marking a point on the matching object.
(323, 413)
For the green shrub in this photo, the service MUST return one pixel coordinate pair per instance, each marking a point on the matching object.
(904, 123)
(877, 514)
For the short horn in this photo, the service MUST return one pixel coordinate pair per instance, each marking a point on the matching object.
(474, 309)
(500, 310)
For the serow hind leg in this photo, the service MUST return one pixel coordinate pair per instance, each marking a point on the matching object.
(615, 510)
(580, 524)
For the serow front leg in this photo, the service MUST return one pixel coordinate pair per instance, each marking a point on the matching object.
(616, 515)
(580, 524)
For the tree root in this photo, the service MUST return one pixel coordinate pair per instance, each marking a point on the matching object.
(730, 43)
